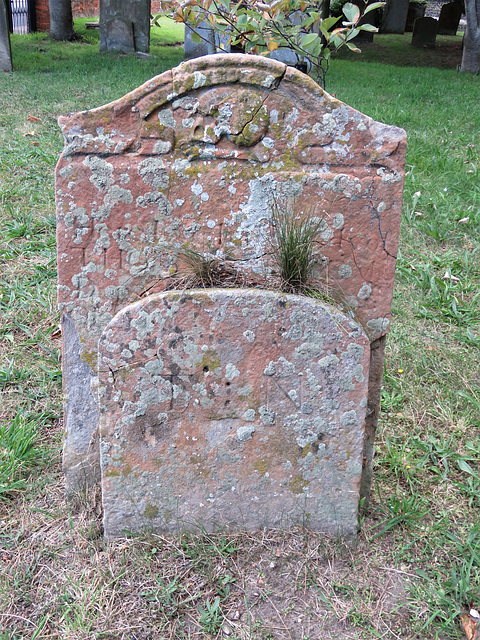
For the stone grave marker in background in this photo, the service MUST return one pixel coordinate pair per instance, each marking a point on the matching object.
(425, 32)
(415, 10)
(395, 16)
(449, 19)
(197, 159)
(5, 49)
(125, 26)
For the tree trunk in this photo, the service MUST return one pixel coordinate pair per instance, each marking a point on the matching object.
(471, 41)
(61, 19)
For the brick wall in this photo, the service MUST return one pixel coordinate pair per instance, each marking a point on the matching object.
(80, 9)
(43, 15)
(87, 8)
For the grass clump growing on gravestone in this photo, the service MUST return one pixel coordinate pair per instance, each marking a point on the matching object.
(295, 238)
(197, 270)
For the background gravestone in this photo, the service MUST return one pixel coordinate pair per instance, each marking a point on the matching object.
(5, 49)
(231, 408)
(206, 47)
(197, 158)
(449, 19)
(125, 26)
(425, 32)
(395, 16)
(415, 10)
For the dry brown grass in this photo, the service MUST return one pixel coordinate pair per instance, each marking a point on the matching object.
(60, 579)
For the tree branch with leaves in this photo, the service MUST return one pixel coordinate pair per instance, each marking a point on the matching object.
(262, 27)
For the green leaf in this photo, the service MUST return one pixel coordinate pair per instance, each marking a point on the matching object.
(352, 47)
(351, 12)
(308, 39)
(329, 22)
(195, 37)
(464, 466)
(372, 7)
(367, 27)
(353, 33)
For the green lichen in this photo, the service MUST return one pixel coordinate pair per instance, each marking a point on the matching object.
(262, 466)
(90, 357)
(112, 473)
(151, 511)
(210, 361)
(200, 470)
(297, 484)
(306, 450)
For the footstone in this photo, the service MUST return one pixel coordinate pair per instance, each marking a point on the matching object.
(231, 408)
(205, 47)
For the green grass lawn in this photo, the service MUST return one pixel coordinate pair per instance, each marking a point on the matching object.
(417, 562)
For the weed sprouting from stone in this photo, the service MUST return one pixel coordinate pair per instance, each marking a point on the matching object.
(296, 252)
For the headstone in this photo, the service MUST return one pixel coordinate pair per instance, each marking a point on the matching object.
(125, 26)
(197, 159)
(231, 408)
(425, 32)
(449, 19)
(206, 47)
(395, 16)
(415, 10)
(5, 50)
(120, 35)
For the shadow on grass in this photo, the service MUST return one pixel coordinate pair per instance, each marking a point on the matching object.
(396, 50)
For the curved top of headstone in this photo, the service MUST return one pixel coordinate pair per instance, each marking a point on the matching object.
(123, 119)
(198, 157)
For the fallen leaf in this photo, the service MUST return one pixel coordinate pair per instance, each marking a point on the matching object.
(451, 277)
(29, 133)
(464, 220)
(35, 143)
(33, 119)
(470, 625)
(56, 334)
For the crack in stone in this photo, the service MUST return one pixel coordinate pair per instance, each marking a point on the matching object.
(376, 216)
